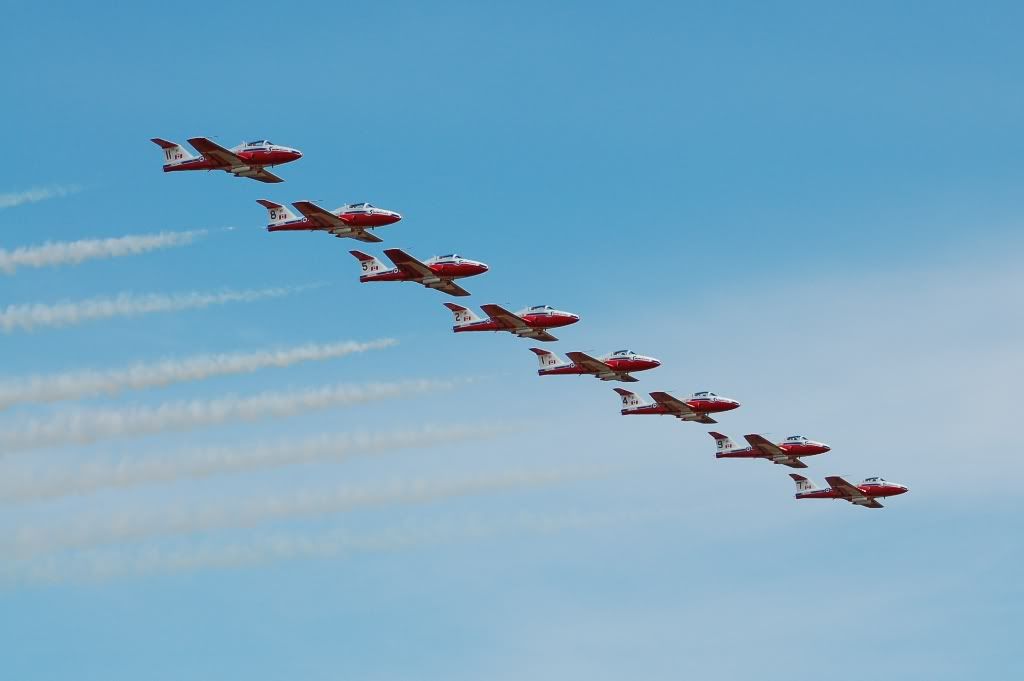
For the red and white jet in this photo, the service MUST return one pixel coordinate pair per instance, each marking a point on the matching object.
(248, 159)
(436, 273)
(787, 452)
(613, 367)
(351, 220)
(864, 494)
(693, 408)
(528, 323)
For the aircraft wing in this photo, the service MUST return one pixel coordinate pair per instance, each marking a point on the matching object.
(408, 264)
(230, 161)
(261, 174)
(450, 287)
(419, 272)
(215, 152)
(514, 323)
(320, 217)
(595, 366)
(326, 220)
(509, 320)
(766, 446)
(680, 409)
(773, 451)
(850, 492)
(589, 363)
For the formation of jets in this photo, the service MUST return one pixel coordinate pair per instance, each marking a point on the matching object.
(359, 220)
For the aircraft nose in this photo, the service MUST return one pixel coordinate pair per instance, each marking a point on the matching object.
(824, 448)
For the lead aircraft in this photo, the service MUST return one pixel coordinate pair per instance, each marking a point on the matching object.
(351, 220)
(612, 367)
(696, 407)
(528, 323)
(787, 452)
(436, 273)
(248, 159)
(864, 494)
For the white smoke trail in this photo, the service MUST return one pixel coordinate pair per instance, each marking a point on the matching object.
(209, 461)
(78, 384)
(32, 315)
(74, 252)
(86, 426)
(102, 564)
(12, 199)
(138, 524)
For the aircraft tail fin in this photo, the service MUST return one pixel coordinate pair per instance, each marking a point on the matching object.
(629, 399)
(546, 358)
(278, 213)
(463, 315)
(174, 153)
(369, 263)
(723, 443)
(802, 483)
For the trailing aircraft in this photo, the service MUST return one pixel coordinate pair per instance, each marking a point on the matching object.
(248, 159)
(787, 452)
(696, 407)
(865, 494)
(436, 273)
(612, 367)
(351, 220)
(531, 322)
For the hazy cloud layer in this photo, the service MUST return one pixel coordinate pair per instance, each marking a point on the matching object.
(101, 564)
(89, 383)
(139, 524)
(85, 426)
(12, 199)
(29, 316)
(208, 461)
(74, 252)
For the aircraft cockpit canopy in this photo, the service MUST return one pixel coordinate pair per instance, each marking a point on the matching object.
(874, 481)
(623, 353)
(705, 394)
(359, 205)
(796, 438)
(541, 308)
(259, 143)
(450, 256)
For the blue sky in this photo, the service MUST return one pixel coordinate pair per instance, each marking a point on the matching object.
(812, 207)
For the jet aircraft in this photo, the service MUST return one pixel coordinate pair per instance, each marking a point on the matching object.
(865, 494)
(613, 367)
(436, 273)
(248, 159)
(693, 408)
(528, 323)
(787, 452)
(351, 220)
